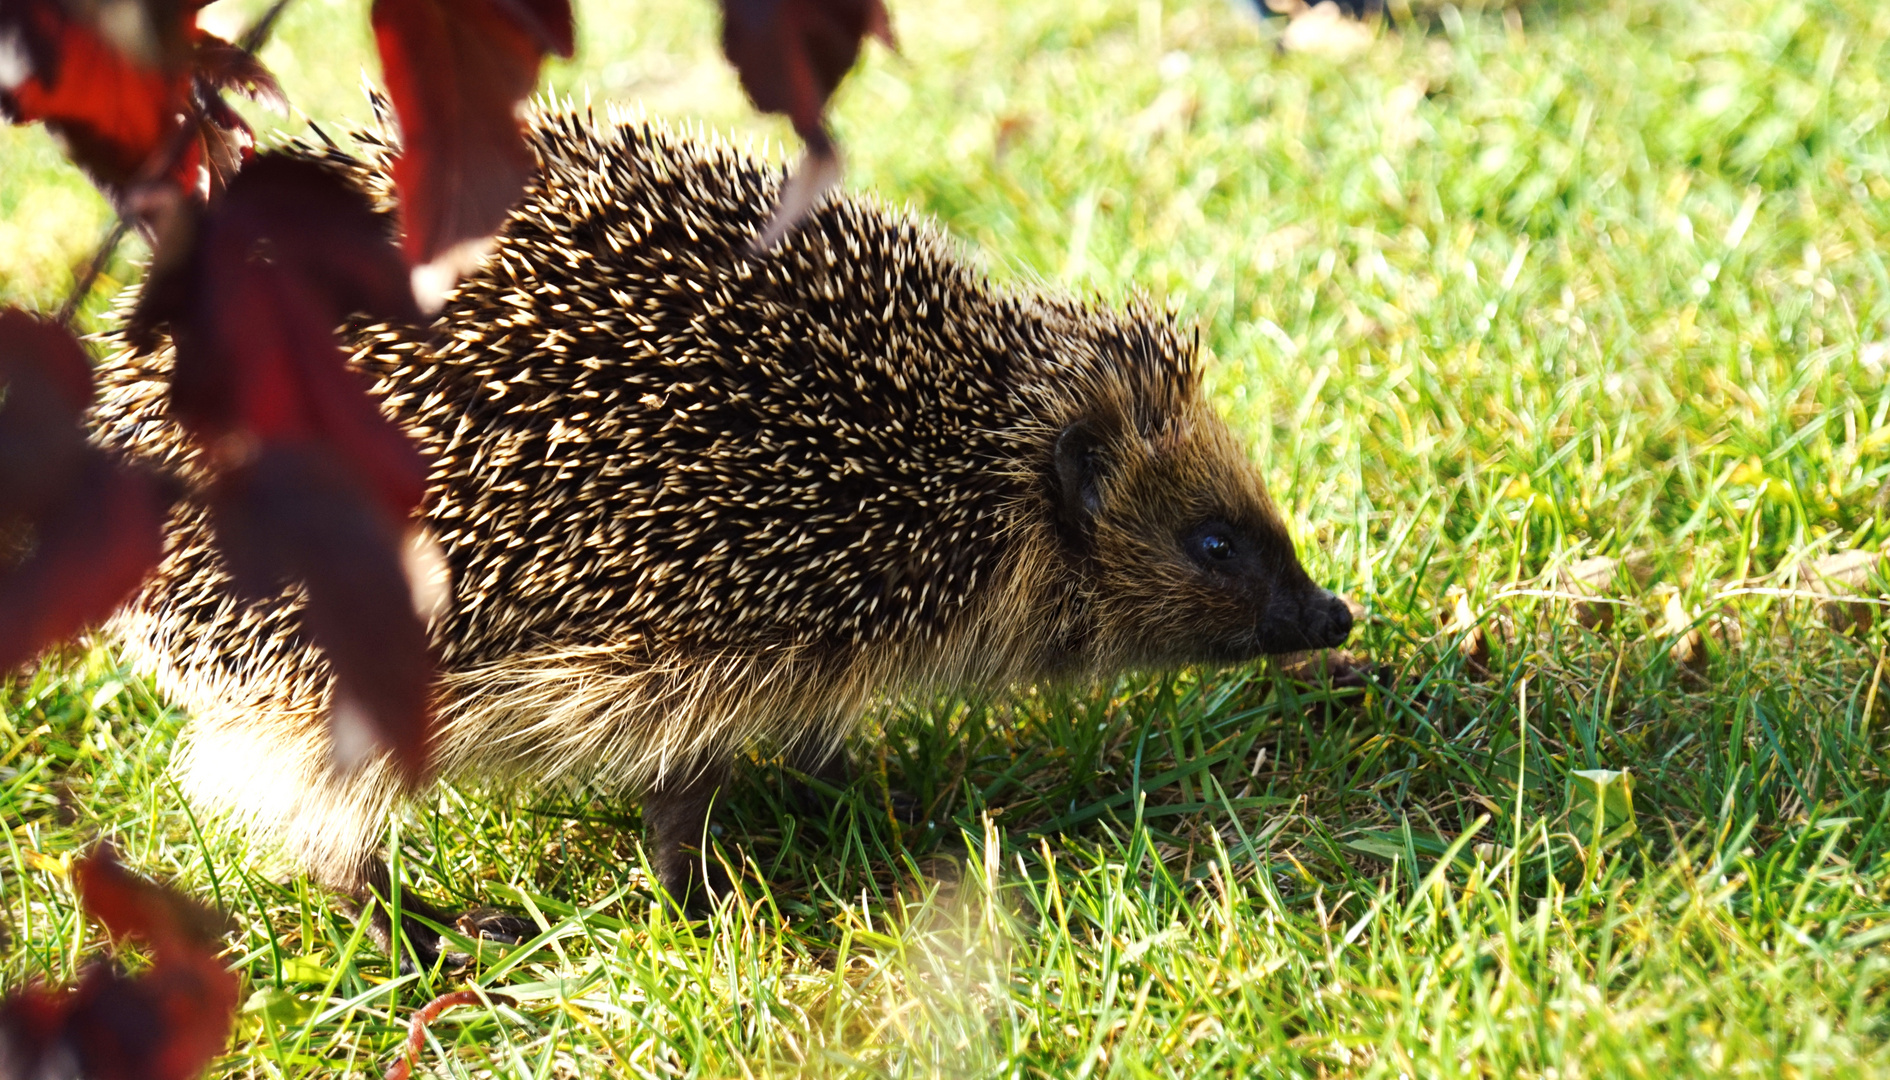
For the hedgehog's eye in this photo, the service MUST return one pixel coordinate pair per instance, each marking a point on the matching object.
(1210, 544)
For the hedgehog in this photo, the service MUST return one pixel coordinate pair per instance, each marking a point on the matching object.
(695, 499)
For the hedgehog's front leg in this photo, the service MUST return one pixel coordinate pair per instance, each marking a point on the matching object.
(676, 823)
(370, 899)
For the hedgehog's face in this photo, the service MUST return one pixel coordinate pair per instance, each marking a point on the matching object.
(1188, 559)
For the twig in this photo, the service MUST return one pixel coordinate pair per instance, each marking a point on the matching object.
(82, 287)
(260, 30)
(426, 1014)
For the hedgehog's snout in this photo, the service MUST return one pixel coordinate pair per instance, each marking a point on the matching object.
(1314, 618)
(1328, 621)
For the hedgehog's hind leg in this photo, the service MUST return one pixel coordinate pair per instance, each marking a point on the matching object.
(676, 823)
(675, 817)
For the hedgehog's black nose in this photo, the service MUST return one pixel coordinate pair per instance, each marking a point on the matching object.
(1328, 621)
(1308, 619)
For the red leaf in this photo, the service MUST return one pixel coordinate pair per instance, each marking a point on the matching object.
(168, 1023)
(295, 513)
(48, 383)
(83, 529)
(457, 71)
(791, 55)
(88, 556)
(290, 252)
(548, 21)
(118, 91)
(131, 907)
(29, 343)
(113, 112)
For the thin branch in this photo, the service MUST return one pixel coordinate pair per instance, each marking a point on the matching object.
(402, 1068)
(82, 287)
(259, 32)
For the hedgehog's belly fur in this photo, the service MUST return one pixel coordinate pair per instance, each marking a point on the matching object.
(258, 748)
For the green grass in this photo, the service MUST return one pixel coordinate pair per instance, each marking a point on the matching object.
(1493, 295)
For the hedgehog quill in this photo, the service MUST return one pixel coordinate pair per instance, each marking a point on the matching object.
(694, 499)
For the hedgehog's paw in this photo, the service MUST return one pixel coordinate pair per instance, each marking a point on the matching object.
(495, 924)
(419, 946)
(423, 948)
(429, 936)
(694, 883)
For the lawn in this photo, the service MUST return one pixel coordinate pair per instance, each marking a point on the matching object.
(1493, 296)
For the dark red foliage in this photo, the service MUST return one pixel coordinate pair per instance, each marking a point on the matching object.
(121, 104)
(175, 926)
(290, 252)
(48, 382)
(167, 1023)
(457, 71)
(314, 484)
(78, 529)
(87, 558)
(113, 112)
(792, 54)
(252, 272)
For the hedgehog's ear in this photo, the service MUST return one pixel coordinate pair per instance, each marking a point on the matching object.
(1079, 466)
